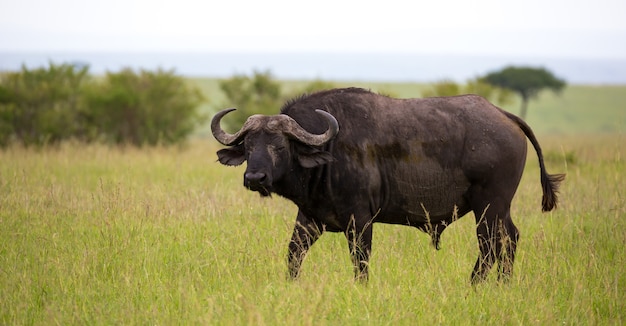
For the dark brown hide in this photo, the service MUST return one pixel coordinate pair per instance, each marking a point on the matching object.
(417, 162)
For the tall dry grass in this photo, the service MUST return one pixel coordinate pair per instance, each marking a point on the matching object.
(94, 235)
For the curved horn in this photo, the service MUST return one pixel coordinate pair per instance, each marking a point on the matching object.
(231, 139)
(292, 128)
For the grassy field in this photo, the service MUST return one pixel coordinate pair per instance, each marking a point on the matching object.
(92, 235)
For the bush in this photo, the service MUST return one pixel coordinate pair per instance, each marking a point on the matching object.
(259, 94)
(145, 108)
(315, 86)
(474, 86)
(41, 106)
(443, 88)
(48, 105)
(256, 94)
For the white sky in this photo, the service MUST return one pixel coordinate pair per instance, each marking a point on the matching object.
(569, 28)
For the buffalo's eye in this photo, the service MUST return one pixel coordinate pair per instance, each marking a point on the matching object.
(276, 149)
(276, 153)
(248, 146)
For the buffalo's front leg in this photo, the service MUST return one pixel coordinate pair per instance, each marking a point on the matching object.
(359, 235)
(305, 233)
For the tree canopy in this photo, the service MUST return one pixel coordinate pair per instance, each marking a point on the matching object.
(526, 82)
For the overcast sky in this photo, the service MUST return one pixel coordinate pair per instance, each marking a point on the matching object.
(554, 28)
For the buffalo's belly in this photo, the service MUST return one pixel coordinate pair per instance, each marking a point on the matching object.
(428, 194)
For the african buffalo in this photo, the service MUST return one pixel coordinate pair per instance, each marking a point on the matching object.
(349, 158)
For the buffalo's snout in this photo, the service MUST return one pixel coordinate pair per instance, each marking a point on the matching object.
(258, 181)
(255, 177)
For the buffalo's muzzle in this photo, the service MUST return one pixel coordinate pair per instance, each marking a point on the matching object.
(255, 177)
(257, 181)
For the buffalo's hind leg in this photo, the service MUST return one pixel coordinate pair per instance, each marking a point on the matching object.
(305, 233)
(497, 240)
(506, 248)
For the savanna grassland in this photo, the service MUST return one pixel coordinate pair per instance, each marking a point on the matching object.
(94, 235)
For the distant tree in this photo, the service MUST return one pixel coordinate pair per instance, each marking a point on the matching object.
(527, 82)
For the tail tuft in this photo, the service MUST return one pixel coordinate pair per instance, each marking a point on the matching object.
(550, 185)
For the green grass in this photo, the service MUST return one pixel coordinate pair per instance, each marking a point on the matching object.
(92, 235)
(96, 235)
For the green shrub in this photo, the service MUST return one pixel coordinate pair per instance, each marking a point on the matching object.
(443, 88)
(41, 106)
(48, 105)
(260, 94)
(477, 86)
(144, 108)
(256, 94)
(315, 86)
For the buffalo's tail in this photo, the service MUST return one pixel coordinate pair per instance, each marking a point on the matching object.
(549, 182)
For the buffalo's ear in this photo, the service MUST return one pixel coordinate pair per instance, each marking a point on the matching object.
(232, 156)
(309, 157)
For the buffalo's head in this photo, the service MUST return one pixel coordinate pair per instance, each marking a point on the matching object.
(272, 145)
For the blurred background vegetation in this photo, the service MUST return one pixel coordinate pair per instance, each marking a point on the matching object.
(45, 106)
(61, 102)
